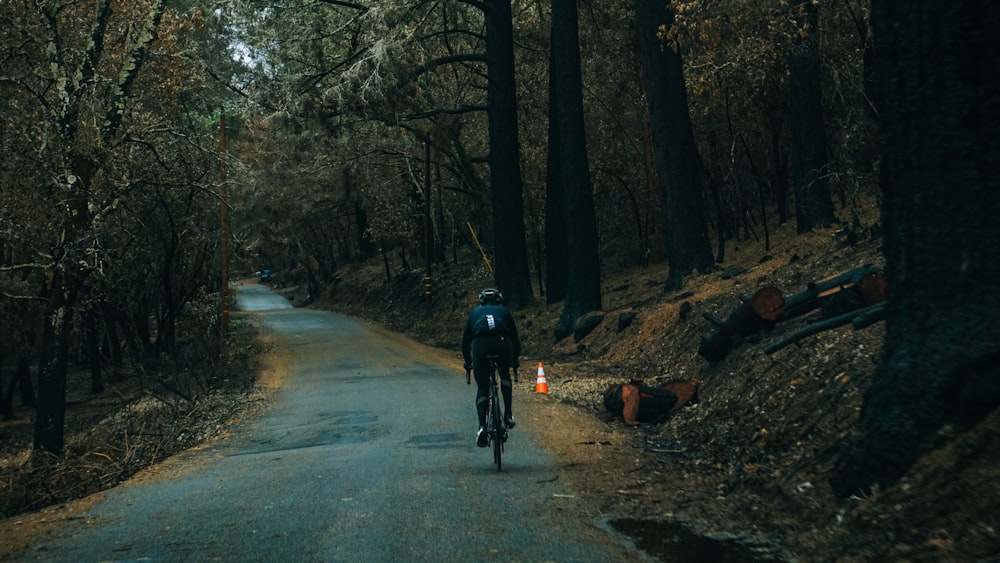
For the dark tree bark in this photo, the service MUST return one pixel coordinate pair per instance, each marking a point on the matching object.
(6, 397)
(779, 171)
(22, 379)
(556, 244)
(366, 245)
(940, 364)
(512, 273)
(93, 353)
(583, 288)
(677, 163)
(813, 202)
(50, 415)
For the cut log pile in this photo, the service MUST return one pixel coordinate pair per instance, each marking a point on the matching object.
(856, 296)
(637, 402)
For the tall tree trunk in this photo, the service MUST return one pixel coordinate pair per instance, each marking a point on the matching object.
(583, 289)
(512, 272)
(677, 162)
(940, 364)
(50, 414)
(6, 397)
(23, 378)
(93, 352)
(779, 176)
(66, 279)
(556, 243)
(63, 285)
(810, 163)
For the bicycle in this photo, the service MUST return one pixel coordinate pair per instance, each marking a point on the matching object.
(496, 427)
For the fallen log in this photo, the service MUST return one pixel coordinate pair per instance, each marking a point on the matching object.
(867, 313)
(749, 318)
(872, 288)
(870, 316)
(835, 296)
(637, 402)
(814, 295)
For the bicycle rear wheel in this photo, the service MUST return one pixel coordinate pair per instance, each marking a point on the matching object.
(496, 430)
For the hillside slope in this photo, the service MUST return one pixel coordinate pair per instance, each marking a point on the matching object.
(752, 457)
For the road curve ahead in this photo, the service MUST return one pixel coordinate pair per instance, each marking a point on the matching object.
(366, 454)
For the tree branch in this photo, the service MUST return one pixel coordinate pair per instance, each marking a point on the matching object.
(31, 266)
(867, 314)
(478, 5)
(350, 5)
(22, 297)
(443, 111)
(132, 65)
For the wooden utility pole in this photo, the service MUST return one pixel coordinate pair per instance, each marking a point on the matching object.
(428, 225)
(224, 222)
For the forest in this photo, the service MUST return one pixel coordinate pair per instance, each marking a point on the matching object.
(155, 149)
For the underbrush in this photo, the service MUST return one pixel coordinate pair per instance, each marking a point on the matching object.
(143, 416)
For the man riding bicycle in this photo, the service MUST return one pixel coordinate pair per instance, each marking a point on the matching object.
(490, 331)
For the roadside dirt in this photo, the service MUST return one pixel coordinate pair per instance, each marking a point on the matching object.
(748, 462)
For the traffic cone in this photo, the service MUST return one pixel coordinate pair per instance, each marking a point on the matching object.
(540, 385)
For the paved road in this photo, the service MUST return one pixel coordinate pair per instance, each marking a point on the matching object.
(367, 454)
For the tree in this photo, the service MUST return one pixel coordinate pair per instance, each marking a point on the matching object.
(75, 80)
(677, 162)
(813, 202)
(583, 275)
(110, 207)
(556, 244)
(939, 371)
(512, 274)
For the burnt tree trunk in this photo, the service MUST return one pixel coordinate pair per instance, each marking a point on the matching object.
(813, 297)
(583, 284)
(813, 202)
(50, 415)
(93, 353)
(751, 317)
(6, 397)
(940, 364)
(678, 172)
(556, 245)
(512, 275)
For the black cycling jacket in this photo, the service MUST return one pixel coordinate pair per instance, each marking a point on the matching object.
(490, 320)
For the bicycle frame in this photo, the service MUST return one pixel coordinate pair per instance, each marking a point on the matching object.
(496, 428)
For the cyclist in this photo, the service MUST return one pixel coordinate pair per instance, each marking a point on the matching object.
(490, 330)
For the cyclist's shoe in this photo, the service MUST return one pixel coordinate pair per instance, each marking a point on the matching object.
(509, 421)
(482, 440)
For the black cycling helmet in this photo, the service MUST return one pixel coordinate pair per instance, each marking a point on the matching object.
(491, 296)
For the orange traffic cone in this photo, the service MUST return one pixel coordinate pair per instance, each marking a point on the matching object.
(541, 386)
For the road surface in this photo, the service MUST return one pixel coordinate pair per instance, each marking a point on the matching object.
(366, 454)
